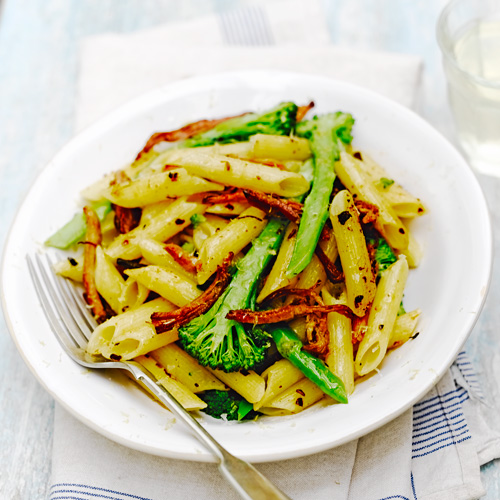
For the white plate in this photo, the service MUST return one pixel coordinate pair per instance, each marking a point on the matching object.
(449, 286)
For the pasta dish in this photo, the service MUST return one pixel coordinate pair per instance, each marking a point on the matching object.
(254, 264)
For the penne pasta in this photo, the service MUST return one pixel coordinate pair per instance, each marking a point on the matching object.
(277, 277)
(175, 218)
(176, 289)
(279, 377)
(404, 204)
(240, 173)
(351, 244)
(131, 334)
(186, 369)
(232, 238)
(297, 397)
(340, 357)
(120, 295)
(183, 394)
(157, 187)
(404, 328)
(382, 317)
(361, 187)
(153, 252)
(250, 385)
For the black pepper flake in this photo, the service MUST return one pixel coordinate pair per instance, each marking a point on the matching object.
(72, 261)
(179, 222)
(115, 357)
(357, 300)
(293, 232)
(380, 327)
(357, 155)
(301, 392)
(299, 402)
(173, 176)
(401, 230)
(229, 206)
(344, 216)
(413, 337)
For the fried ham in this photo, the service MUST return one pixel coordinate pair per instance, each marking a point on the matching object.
(165, 321)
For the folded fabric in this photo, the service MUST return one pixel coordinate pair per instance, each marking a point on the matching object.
(430, 452)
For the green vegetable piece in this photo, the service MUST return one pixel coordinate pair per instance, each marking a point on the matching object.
(188, 247)
(385, 182)
(384, 255)
(327, 136)
(280, 120)
(244, 408)
(401, 309)
(197, 219)
(220, 343)
(225, 404)
(290, 347)
(74, 231)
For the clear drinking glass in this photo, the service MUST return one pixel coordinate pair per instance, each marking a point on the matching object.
(468, 32)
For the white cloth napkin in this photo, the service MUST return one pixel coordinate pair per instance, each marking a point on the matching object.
(430, 452)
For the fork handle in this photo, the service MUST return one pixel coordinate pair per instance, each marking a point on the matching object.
(244, 478)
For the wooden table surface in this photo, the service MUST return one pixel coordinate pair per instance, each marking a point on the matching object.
(39, 41)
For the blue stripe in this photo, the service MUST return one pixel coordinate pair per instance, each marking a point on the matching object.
(94, 488)
(441, 415)
(434, 397)
(87, 495)
(439, 441)
(450, 430)
(458, 393)
(395, 496)
(438, 428)
(413, 487)
(445, 409)
(441, 447)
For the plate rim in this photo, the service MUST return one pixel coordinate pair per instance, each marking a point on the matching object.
(127, 108)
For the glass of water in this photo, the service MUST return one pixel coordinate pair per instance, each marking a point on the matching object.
(468, 32)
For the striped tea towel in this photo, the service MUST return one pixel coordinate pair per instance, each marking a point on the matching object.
(432, 452)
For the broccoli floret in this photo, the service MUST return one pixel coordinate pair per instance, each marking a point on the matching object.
(384, 256)
(280, 120)
(221, 343)
(227, 404)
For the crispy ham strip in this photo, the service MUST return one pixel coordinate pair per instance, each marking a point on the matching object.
(181, 257)
(229, 195)
(182, 133)
(367, 211)
(302, 111)
(285, 313)
(333, 273)
(290, 209)
(165, 321)
(92, 239)
(126, 219)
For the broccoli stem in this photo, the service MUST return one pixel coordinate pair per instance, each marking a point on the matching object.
(279, 120)
(225, 344)
(290, 347)
(75, 229)
(326, 135)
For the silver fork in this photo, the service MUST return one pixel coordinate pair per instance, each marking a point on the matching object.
(72, 324)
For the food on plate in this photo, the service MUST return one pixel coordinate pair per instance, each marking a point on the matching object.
(254, 264)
